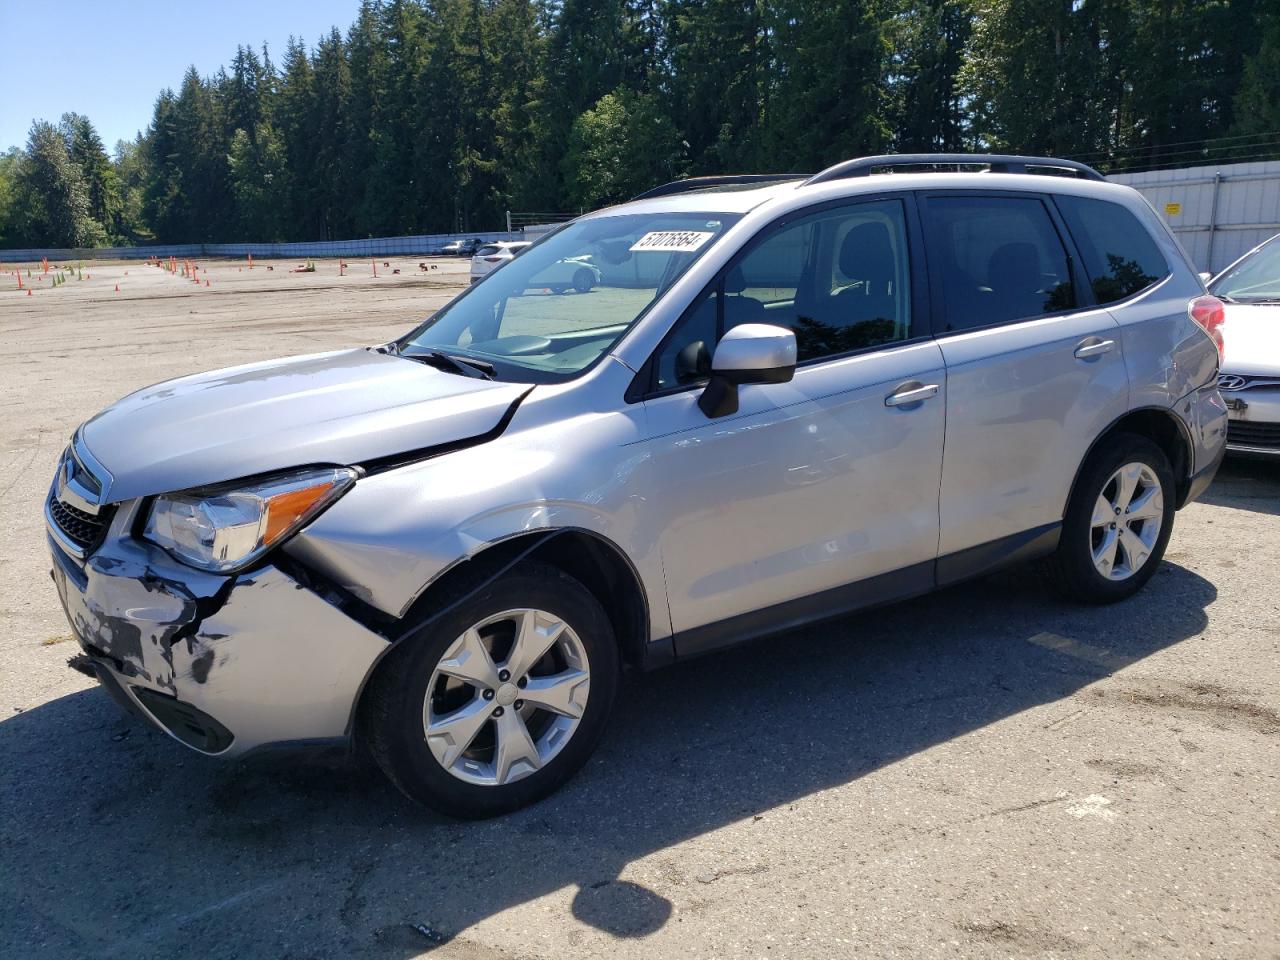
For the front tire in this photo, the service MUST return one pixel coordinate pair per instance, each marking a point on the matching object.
(1118, 522)
(500, 701)
(583, 280)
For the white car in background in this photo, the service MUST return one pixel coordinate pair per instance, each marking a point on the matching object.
(572, 273)
(493, 255)
(1250, 374)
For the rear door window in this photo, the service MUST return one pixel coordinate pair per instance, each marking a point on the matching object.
(1119, 254)
(996, 260)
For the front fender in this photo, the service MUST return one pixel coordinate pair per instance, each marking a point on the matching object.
(396, 532)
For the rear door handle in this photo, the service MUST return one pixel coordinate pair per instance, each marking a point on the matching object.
(914, 393)
(1093, 347)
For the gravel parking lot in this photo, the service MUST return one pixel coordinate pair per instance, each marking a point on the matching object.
(987, 772)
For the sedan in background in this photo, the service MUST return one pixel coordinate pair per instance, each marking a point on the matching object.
(493, 255)
(1250, 376)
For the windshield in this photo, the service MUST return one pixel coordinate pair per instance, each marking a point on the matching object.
(551, 312)
(1255, 279)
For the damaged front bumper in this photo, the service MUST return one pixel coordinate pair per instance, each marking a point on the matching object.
(224, 664)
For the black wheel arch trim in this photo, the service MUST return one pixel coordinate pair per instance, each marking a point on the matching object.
(408, 626)
(1182, 478)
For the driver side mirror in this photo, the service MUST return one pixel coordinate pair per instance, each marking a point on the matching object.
(748, 353)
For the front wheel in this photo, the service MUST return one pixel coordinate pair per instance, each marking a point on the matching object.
(501, 701)
(583, 280)
(1118, 522)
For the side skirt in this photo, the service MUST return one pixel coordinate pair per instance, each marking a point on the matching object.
(841, 601)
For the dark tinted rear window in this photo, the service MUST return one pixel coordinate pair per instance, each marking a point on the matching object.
(487, 251)
(999, 259)
(1119, 255)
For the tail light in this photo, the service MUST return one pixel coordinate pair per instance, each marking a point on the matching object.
(1211, 314)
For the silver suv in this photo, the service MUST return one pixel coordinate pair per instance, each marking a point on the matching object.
(784, 399)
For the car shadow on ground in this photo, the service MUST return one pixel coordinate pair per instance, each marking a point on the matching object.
(1246, 484)
(120, 843)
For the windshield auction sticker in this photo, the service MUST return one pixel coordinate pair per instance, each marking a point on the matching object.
(671, 241)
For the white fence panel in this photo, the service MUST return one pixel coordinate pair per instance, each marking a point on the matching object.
(1218, 212)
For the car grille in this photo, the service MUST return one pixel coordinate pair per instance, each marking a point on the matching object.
(83, 529)
(1248, 433)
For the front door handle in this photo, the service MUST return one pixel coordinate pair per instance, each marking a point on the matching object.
(909, 393)
(1093, 347)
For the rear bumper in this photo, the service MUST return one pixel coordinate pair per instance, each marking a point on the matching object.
(224, 665)
(1205, 414)
(1254, 426)
(1201, 480)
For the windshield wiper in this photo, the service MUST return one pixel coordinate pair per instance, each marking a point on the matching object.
(464, 366)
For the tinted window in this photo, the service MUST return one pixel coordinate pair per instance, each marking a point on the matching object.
(840, 279)
(487, 251)
(999, 259)
(1119, 255)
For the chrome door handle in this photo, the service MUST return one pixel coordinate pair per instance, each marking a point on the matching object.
(1093, 347)
(914, 395)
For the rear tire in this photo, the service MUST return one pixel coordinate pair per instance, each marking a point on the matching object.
(583, 280)
(457, 731)
(1118, 522)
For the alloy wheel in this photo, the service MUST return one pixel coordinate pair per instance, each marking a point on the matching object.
(1126, 522)
(506, 697)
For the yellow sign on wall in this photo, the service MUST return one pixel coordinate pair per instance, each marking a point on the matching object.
(1172, 209)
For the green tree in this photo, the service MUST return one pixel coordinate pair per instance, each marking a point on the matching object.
(721, 60)
(1032, 72)
(620, 147)
(828, 102)
(257, 167)
(130, 165)
(334, 172)
(86, 151)
(1256, 107)
(295, 118)
(51, 201)
(10, 235)
(927, 39)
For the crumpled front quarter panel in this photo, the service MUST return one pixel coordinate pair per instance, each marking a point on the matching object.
(397, 531)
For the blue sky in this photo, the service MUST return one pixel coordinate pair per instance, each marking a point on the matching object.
(108, 59)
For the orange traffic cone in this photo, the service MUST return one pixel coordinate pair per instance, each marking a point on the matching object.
(117, 288)
(28, 291)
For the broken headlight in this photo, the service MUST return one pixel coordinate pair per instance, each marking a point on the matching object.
(228, 527)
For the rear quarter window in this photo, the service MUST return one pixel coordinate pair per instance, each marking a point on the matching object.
(1120, 257)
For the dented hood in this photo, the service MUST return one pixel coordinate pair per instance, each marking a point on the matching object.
(328, 408)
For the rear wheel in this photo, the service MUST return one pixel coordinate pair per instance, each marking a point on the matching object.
(1118, 523)
(501, 701)
(583, 280)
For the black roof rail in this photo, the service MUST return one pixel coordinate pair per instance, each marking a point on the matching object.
(995, 163)
(724, 180)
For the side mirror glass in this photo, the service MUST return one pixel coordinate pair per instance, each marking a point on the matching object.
(748, 353)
